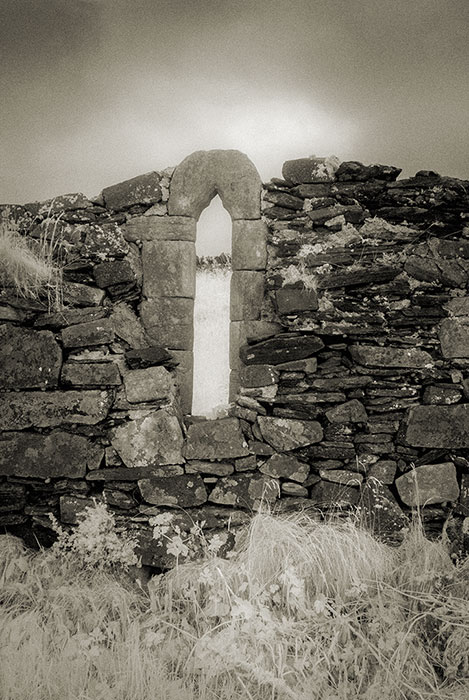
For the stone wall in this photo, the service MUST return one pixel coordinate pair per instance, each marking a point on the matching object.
(349, 354)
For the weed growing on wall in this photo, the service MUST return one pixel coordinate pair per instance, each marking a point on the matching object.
(31, 267)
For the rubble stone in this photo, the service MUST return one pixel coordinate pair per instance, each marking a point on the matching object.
(430, 483)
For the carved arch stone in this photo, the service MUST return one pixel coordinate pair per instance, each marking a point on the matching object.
(169, 261)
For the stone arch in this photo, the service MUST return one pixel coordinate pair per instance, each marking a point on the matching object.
(169, 263)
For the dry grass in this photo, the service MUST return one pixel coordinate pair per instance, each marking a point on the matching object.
(303, 610)
(32, 267)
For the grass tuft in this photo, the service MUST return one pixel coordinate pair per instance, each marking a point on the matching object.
(302, 610)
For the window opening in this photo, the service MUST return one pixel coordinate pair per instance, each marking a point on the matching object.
(210, 393)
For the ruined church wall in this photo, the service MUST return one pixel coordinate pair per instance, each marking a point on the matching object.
(349, 354)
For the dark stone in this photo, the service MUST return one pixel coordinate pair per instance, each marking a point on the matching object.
(144, 189)
(438, 426)
(205, 467)
(115, 272)
(282, 348)
(45, 409)
(330, 451)
(283, 199)
(119, 499)
(215, 439)
(72, 508)
(308, 170)
(83, 334)
(349, 412)
(244, 490)
(180, 491)
(135, 473)
(326, 494)
(90, 374)
(28, 359)
(70, 317)
(258, 375)
(341, 476)
(59, 454)
(148, 357)
(355, 278)
(353, 213)
(441, 395)
(453, 249)
(290, 300)
(12, 496)
(383, 471)
(381, 513)
(454, 337)
(357, 172)
(76, 294)
(286, 467)
(430, 483)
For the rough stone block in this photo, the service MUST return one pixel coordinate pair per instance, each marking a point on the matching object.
(142, 358)
(292, 300)
(169, 321)
(69, 317)
(286, 467)
(203, 174)
(144, 189)
(249, 245)
(341, 476)
(180, 491)
(107, 274)
(134, 473)
(247, 295)
(384, 471)
(90, 374)
(12, 496)
(73, 507)
(154, 439)
(152, 384)
(169, 269)
(430, 483)
(46, 409)
(438, 426)
(441, 395)
(326, 494)
(352, 411)
(215, 439)
(454, 337)
(374, 356)
(58, 454)
(282, 348)
(28, 359)
(75, 294)
(286, 434)
(244, 490)
(127, 326)
(93, 333)
(212, 468)
(160, 228)
(381, 512)
(184, 377)
(310, 169)
(459, 306)
(258, 375)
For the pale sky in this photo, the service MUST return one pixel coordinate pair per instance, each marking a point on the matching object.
(93, 92)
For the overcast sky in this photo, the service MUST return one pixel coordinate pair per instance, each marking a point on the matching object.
(96, 91)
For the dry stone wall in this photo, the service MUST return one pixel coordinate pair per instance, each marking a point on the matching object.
(349, 354)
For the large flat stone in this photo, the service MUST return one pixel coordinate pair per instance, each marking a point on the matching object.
(286, 467)
(58, 454)
(179, 491)
(328, 495)
(46, 409)
(310, 169)
(81, 335)
(76, 294)
(215, 439)
(160, 228)
(438, 426)
(127, 326)
(168, 321)
(249, 245)
(430, 483)
(280, 349)
(352, 411)
(151, 384)
(286, 434)
(110, 273)
(152, 440)
(292, 300)
(203, 174)
(258, 375)
(28, 359)
(169, 269)
(90, 374)
(374, 356)
(144, 189)
(135, 473)
(246, 295)
(454, 337)
(69, 317)
(244, 490)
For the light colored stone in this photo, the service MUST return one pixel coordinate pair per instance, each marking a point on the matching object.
(459, 306)
(182, 491)
(383, 471)
(374, 356)
(454, 337)
(286, 434)
(28, 359)
(58, 454)
(169, 269)
(244, 490)
(215, 439)
(430, 483)
(204, 174)
(249, 245)
(151, 440)
(438, 426)
(289, 488)
(286, 467)
(160, 228)
(169, 321)
(246, 295)
(341, 476)
(26, 409)
(151, 384)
